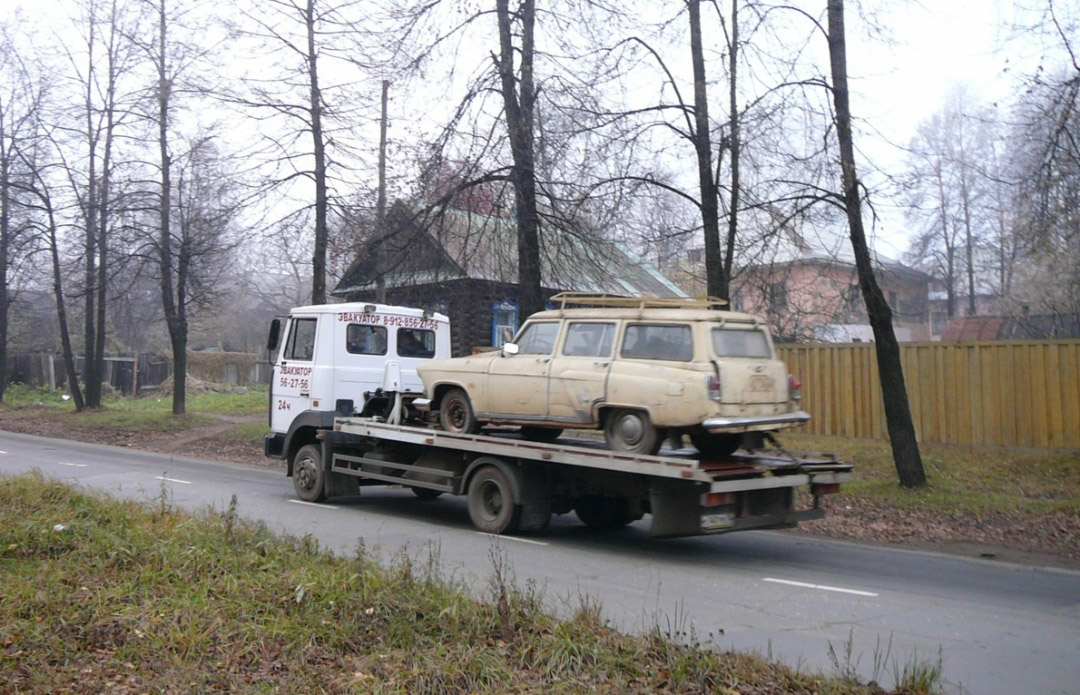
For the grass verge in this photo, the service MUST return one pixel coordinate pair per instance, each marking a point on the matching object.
(960, 480)
(101, 594)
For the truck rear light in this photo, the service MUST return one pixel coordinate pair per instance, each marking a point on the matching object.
(716, 499)
(794, 387)
(824, 489)
(712, 383)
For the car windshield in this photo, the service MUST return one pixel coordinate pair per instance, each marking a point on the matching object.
(740, 342)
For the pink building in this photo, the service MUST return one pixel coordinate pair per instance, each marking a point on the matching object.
(809, 292)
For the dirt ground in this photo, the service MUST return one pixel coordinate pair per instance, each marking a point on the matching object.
(1050, 539)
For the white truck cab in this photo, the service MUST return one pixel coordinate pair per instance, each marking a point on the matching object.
(346, 359)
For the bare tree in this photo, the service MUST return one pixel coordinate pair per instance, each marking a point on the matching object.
(905, 446)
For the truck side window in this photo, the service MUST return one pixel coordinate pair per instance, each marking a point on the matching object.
(589, 340)
(301, 340)
(415, 342)
(538, 338)
(365, 340)
(652, 342)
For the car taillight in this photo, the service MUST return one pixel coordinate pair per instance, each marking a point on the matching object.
(712, 383)
(794, 387)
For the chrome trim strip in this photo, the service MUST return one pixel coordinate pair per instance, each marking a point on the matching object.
(722, 423)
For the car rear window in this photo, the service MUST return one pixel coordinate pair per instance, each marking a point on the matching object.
(589, 340)
(656, 342)
(740, 342)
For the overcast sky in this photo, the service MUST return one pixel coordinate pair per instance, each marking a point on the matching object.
(930, 46)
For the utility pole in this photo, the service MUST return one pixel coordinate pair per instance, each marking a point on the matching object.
(380, 204)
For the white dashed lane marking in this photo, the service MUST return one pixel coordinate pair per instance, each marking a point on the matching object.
(173, 480)
(314, 504)
(73, 465)
(820, 587)
(513, 538)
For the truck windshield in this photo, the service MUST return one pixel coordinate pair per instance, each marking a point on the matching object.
(740, 342)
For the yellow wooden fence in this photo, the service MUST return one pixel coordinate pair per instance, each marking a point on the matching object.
(1011, 393)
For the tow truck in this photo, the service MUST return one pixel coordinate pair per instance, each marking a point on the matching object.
(346, 413)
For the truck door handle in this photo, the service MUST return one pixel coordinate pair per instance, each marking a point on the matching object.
(305, 394)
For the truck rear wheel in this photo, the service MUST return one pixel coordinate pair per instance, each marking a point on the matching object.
(491, 502)
(309, 477)
(599, 511)
(456, 413)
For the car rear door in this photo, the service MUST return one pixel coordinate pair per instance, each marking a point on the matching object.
(579, 371)
(749, 374)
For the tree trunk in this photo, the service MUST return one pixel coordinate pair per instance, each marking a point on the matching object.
(519, 104)
(380, 203)
(318, 261)
(733, 216)
(172, 300)
(905, 447)
(715, 279)
(61, 311)
(5, 242)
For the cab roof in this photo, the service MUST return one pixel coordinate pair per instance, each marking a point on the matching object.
(369, 308)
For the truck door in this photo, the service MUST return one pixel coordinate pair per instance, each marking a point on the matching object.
(579, 371)
(292, 378)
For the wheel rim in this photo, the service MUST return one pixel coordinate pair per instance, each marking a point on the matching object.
(630, 429)
(306, 473)
(491, 500)
(456, 415)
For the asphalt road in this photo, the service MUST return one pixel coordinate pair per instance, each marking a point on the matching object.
(1000, 628)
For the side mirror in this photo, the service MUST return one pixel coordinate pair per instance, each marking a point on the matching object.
(509, 349)
(275, 334)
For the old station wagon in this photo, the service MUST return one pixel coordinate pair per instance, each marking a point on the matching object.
(642, 369)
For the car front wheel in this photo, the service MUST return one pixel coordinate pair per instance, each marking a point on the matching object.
(456, 413)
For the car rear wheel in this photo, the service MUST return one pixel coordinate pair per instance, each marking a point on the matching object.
(491, 502)
(456, 413)
(631, 431)
(715, 446)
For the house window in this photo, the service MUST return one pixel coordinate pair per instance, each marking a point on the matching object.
(852, 299)
(776, 296)
(504, 322)
(695, 255)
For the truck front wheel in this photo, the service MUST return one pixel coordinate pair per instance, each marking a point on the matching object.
(308, 474)
(491, 502)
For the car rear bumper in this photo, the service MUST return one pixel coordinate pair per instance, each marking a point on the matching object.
(742, 423)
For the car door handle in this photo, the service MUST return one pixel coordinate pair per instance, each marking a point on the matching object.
(601, 363)
(543, 359)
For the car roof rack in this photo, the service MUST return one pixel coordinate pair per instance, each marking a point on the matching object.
(633, 301)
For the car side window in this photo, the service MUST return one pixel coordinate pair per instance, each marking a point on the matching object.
(589, 340)
(301, 340)
(538, 338)
(658, 342)
(415, 342)
(365, 340)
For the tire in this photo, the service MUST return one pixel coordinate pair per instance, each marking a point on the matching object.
(598, 511)
(425, 493)
(491, 502)
(545, 435)
(309, 477)
(456, 413)
(715, 446)
(632, 432)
